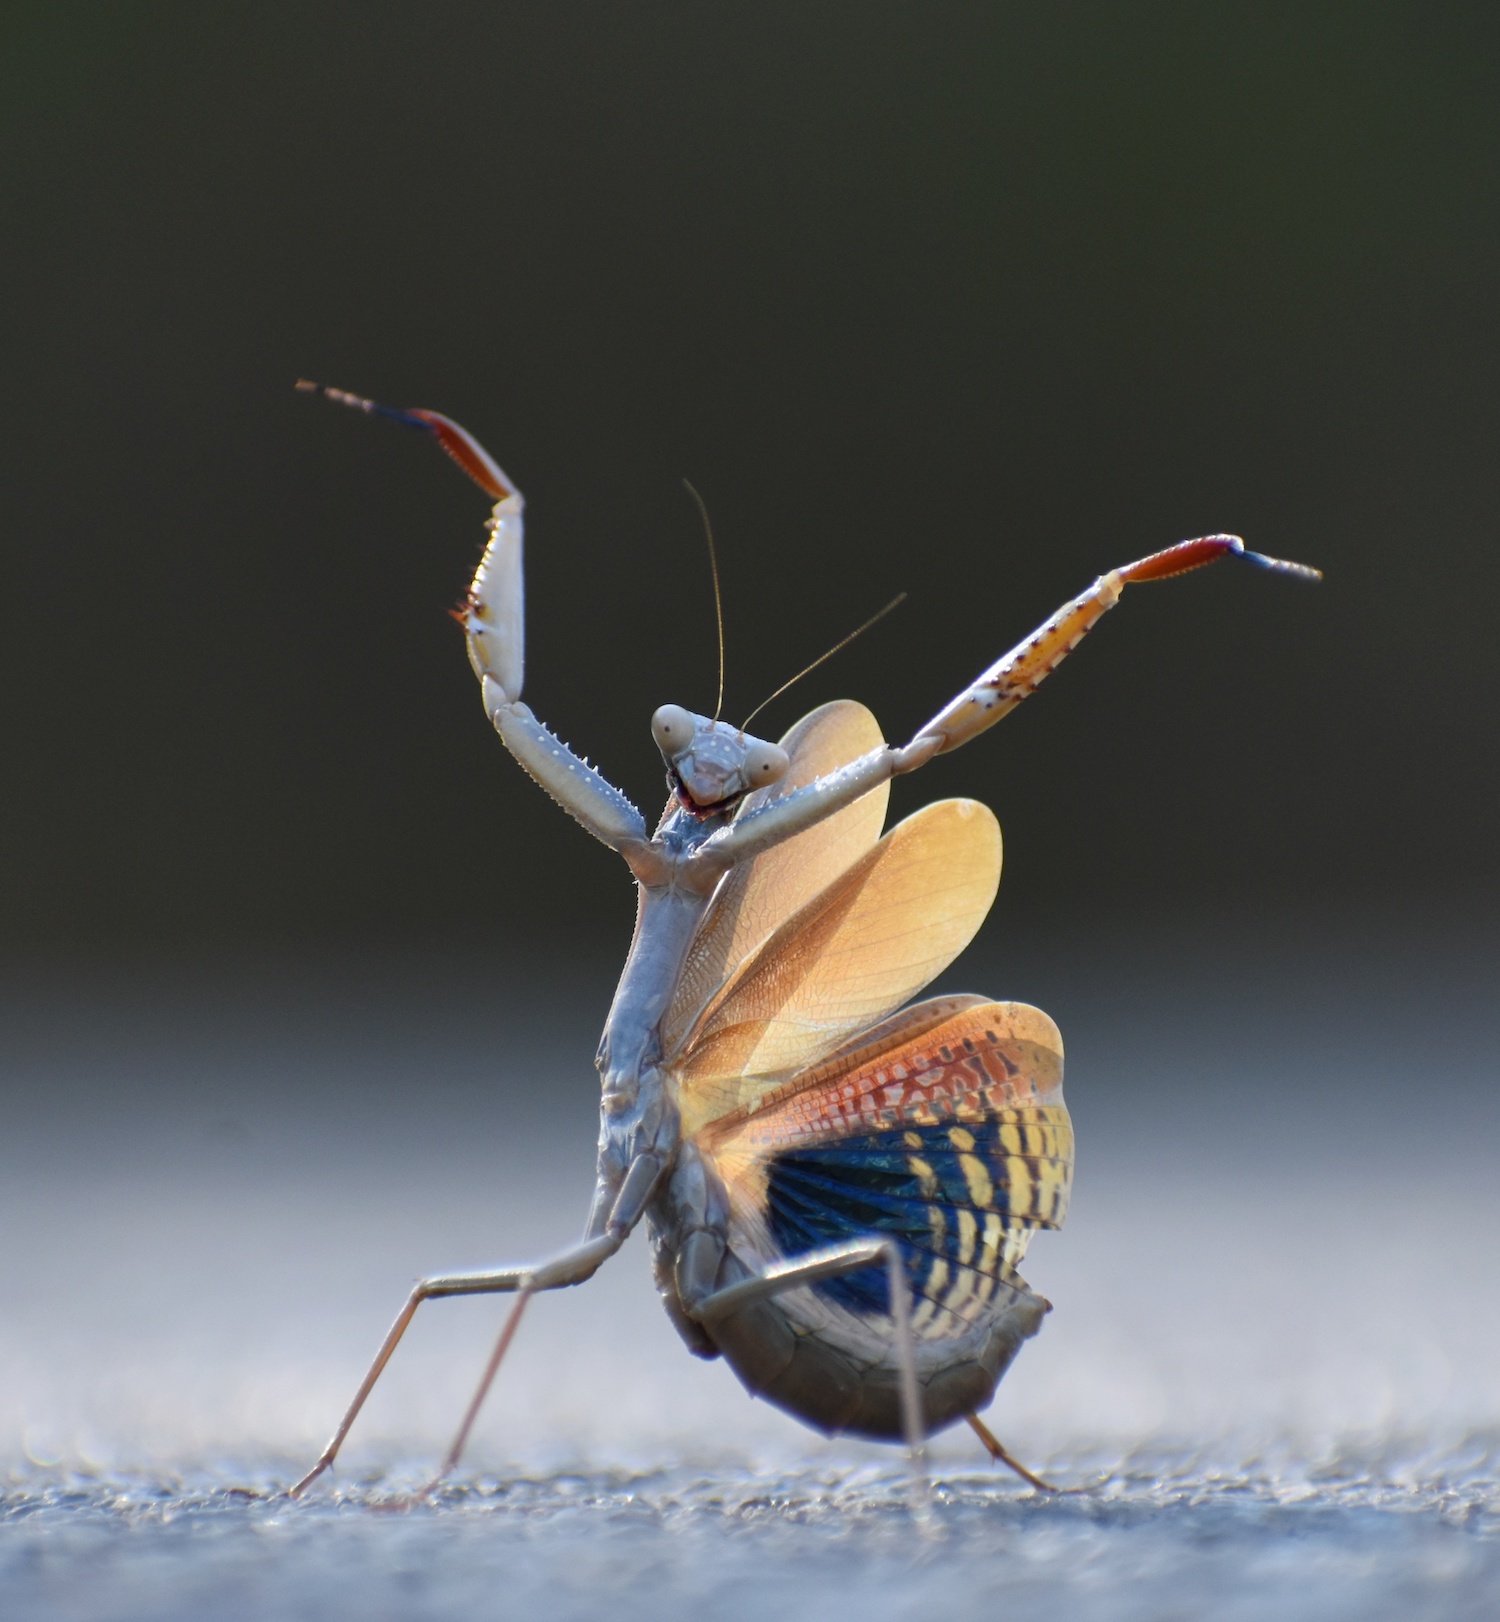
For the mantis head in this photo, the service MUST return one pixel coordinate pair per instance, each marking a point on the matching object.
(712, 762)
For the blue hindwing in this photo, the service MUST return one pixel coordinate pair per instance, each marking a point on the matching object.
(954, 1197)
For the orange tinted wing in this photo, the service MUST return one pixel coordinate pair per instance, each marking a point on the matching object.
(755, 898)
(872, 938)
(944, 1128)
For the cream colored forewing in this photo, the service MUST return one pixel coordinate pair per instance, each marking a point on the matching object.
(755, 898)
(874, 937)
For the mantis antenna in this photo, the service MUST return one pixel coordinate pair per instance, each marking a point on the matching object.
(823, 658)
(713, 563)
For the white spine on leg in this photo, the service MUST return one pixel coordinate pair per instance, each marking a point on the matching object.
(572, 782)
(495, 616)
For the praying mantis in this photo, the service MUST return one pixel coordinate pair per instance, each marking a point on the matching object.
(839, 1185)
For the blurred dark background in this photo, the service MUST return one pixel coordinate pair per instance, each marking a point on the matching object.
(975, 301)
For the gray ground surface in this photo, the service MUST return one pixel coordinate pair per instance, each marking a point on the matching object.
(1162, 1538)
(1272, 1356)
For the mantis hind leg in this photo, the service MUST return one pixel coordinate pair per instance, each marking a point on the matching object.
(1002, 1455)
(572, 1267)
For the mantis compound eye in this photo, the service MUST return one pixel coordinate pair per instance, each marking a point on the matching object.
(765, 764)
(673, 728)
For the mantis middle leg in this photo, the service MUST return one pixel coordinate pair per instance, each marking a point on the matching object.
(832, 1262)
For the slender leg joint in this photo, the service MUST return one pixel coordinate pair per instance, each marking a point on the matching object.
(635, 1194)
(918, 752)
(575, 1266)
(496, 699)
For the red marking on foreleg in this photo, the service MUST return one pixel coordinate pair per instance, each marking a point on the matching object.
(458, 442)
(470, 455)
(1206, 549)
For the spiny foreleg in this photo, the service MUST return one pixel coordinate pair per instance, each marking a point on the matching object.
(992, 695)
(1020, 672)
(493, 619)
